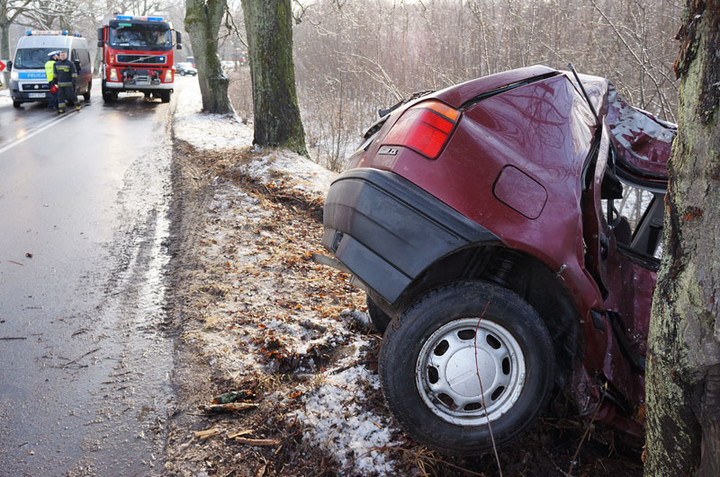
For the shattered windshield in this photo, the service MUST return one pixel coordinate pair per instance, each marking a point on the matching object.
(140, 36)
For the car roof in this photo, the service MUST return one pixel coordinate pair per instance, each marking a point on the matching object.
(641, 141)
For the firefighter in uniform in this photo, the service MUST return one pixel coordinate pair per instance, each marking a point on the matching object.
(65, 76)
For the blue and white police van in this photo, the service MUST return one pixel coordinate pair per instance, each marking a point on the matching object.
(28, 81)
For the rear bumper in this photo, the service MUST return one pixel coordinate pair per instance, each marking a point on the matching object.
(387, 231)
(138, 87)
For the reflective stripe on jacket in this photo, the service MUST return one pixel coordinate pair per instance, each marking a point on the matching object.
(65, 73)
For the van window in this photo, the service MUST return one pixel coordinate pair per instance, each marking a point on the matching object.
(31, 58)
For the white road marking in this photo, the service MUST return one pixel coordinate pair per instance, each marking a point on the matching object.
(39, 129)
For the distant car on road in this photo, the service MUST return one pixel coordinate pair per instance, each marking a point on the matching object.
(185, 69)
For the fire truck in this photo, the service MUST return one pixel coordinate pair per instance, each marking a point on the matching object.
(137, 55)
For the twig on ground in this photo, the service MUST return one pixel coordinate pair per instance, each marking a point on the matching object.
(573, 461)
(75, 361)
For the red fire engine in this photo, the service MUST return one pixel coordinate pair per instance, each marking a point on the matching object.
(137, 55)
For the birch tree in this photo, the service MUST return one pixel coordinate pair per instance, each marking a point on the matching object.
(683, 378)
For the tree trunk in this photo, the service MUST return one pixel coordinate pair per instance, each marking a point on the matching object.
(202, 22)
(268, 24)
(683, 375)
(4, 41)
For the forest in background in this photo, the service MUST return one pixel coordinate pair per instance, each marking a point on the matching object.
(353, 57)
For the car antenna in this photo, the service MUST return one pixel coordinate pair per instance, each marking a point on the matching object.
(582, 88)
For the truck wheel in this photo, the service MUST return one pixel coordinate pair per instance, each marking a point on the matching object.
(108, 95)
(464, 356)
(379, 318)
(165, 96)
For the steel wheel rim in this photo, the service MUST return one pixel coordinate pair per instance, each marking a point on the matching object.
(456, 358)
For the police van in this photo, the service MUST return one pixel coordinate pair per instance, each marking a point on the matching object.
(28, 81)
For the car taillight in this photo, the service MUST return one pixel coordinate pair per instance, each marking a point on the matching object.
(425, 128)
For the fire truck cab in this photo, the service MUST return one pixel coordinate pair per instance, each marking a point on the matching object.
(137, 55)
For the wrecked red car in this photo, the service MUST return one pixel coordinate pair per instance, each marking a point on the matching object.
(507, 233)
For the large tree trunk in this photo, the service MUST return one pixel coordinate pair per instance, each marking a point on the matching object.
(683, 376)
(268, 24)
(4, 40)
(202, 22)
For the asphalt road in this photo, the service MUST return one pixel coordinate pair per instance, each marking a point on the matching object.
(85, 363)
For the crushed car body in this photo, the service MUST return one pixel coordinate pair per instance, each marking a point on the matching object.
(486, 223)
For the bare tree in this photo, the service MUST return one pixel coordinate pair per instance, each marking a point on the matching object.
(10, 10)
(683, 379)
(351, 60)
(268, 25)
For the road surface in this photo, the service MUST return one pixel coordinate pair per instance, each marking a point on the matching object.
(85, 363)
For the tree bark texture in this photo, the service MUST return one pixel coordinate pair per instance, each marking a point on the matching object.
(5, 21)
(683, 375)
(202, 22)
(277, 122)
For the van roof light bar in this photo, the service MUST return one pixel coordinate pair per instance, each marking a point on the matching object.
(49, 32)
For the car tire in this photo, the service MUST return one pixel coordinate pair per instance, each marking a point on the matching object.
(16, 104)
(86, 94)
(432, 353)
(379, 318)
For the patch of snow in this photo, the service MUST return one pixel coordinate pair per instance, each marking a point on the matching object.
(308, 176)
(335, 420)
(208, 131)
(222, 131)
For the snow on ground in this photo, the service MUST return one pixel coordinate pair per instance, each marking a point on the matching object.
(331, 415)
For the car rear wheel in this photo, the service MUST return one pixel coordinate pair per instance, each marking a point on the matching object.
(86, 94)
(466, 361)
